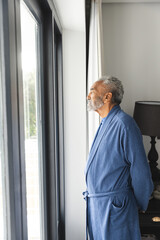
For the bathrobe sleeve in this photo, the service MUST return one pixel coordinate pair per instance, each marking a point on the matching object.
(141, 179)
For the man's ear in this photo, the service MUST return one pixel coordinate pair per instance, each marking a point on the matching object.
(108, 97)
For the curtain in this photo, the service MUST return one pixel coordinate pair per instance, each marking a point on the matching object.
(95, 60)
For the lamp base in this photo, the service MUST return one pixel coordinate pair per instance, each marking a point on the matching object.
(153, 158)
(155, 174)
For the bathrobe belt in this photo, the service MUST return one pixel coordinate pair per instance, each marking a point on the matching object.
(87, 195)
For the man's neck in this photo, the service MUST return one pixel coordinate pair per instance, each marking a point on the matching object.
(104, 110)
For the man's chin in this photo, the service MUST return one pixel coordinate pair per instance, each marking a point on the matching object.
(95, 109)
(91, 109)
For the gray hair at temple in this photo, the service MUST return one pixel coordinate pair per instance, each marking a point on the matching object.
(115, 87)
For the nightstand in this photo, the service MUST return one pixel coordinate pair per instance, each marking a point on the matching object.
(146, 223)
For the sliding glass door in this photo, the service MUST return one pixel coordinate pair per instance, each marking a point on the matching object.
(31, 122)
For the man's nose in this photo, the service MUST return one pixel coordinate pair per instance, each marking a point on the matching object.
(88, 97)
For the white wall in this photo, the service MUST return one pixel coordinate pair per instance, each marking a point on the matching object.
(74, 131)
(132, 51)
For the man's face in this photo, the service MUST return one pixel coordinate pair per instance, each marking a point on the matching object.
(95, 96)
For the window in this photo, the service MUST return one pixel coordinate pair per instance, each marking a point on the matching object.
(32, 121)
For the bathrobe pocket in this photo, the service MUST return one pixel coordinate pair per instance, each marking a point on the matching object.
(118, 205)
(121, 211)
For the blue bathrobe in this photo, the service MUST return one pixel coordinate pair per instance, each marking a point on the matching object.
(118, 179)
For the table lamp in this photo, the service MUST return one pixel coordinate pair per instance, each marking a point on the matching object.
(147, 116)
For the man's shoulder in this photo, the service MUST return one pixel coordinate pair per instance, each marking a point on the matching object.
(125, 119)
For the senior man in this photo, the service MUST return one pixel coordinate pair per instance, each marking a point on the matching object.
(117, 173)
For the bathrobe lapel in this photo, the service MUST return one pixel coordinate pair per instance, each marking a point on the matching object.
(99, 136)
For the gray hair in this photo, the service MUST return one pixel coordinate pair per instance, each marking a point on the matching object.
(115, 87)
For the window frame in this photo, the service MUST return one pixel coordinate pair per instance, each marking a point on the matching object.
(4, 165)
(58, 81)
(11, 123)
(35, 10)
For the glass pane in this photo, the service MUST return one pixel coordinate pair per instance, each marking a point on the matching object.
(31, 82)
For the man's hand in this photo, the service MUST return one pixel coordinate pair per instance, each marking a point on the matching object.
(140, 211)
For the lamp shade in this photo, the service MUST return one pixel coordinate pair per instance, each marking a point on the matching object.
(147, 116)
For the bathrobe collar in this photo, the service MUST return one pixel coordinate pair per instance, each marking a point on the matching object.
(106, 121)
